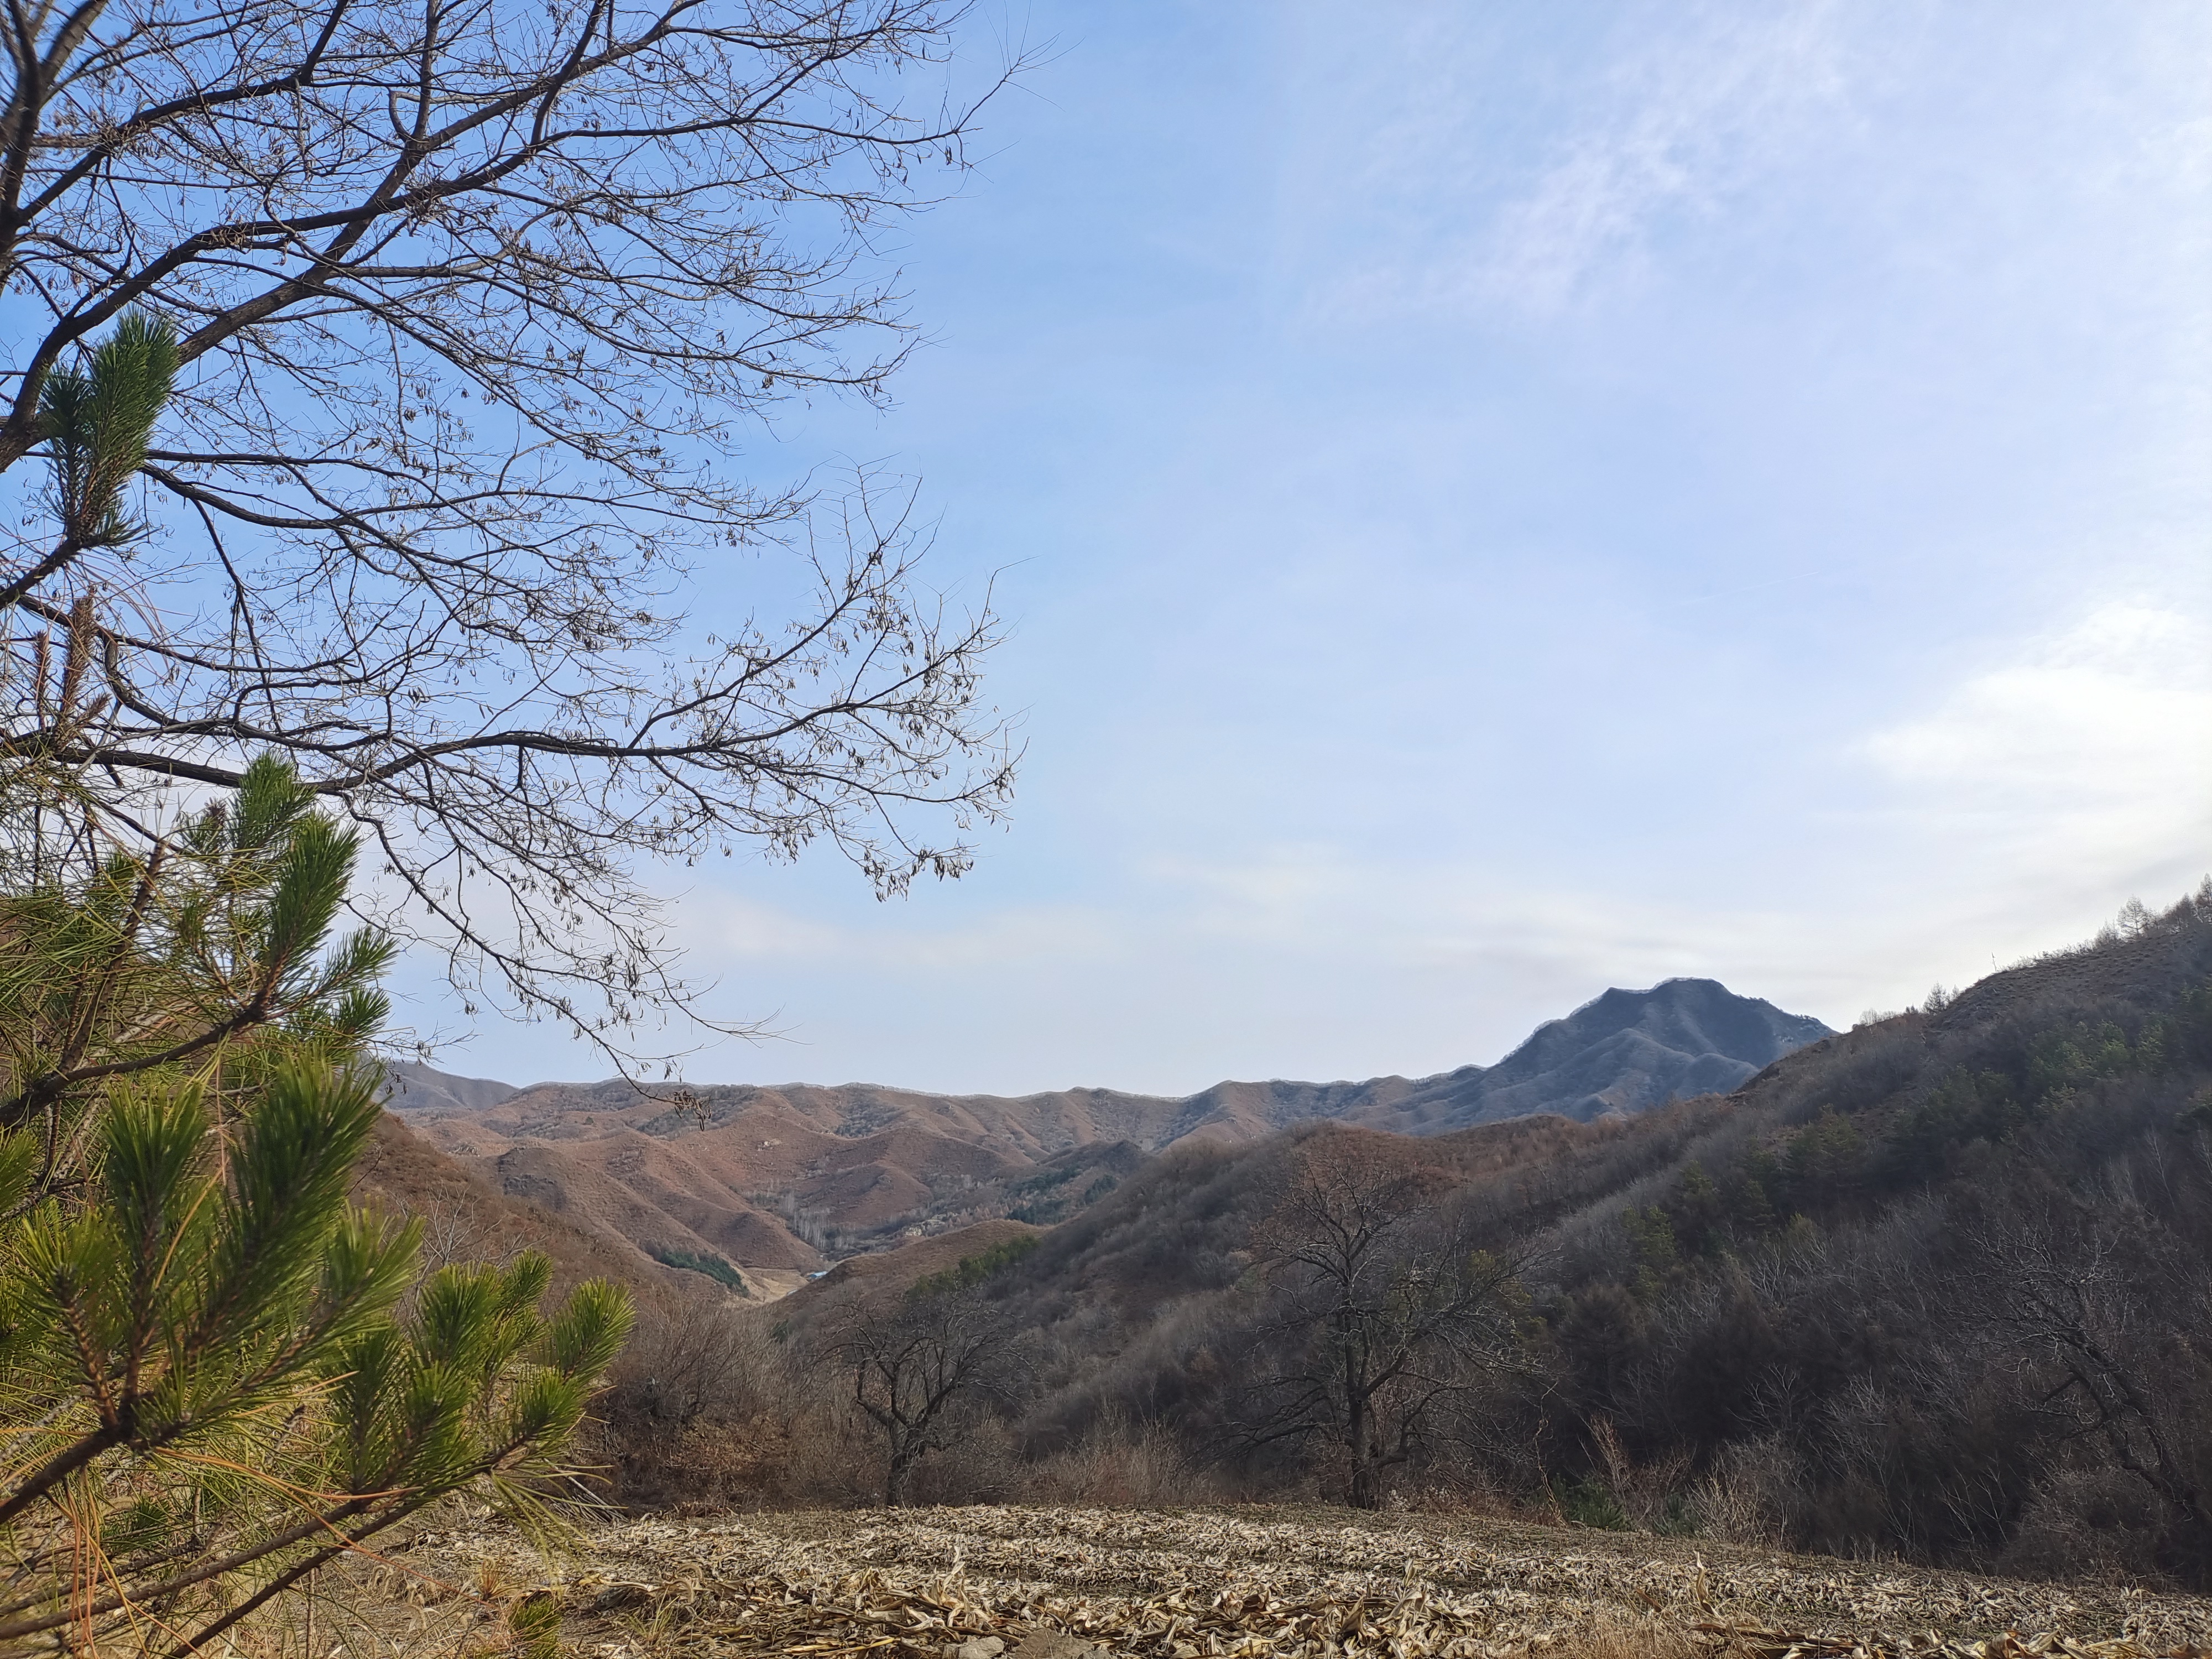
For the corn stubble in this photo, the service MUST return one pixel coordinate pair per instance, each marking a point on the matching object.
(1078, 1583)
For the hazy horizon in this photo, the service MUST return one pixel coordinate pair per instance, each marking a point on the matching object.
(702, 1081)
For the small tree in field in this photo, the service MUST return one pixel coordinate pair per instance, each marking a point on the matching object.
(917, 1370)
(1382, 1308)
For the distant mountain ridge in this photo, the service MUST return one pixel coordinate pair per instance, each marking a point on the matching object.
(782, 1176)
(1623, 1052)
(419, 1088)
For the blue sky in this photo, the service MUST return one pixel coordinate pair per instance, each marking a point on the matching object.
(1502, 501)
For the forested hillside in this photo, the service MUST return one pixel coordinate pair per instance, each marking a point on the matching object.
(1937, 1287)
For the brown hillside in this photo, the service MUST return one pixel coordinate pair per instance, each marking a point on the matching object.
(773, 1178)
(788, 1177)
(785, 1178)
(888, 1272)
(465, 1219)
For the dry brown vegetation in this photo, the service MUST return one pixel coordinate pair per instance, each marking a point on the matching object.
(1049, 1582)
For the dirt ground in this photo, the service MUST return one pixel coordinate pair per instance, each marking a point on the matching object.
(1055, 1583)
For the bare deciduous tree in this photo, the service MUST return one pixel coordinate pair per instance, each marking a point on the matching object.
(472, 302)
(1385, 1309)
(2090, 1296)
(916, 1367)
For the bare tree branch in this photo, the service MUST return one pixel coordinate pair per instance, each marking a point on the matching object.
(474, 305)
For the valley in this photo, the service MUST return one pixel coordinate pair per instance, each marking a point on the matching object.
(787, 1179)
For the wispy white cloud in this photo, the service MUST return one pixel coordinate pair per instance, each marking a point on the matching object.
(1438, 210)
(1480, 932)
(2084, 753)
(1296, 959)
(725, 929)
(2067, 768)
(1677, 128)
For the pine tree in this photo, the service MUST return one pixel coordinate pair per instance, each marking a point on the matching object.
(216, 1375)
(195, 962)
(207, 1386)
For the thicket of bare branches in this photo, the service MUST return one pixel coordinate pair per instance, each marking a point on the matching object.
(1384, 1309)
(2086, 1297)
(474, 304)
(917, 1369)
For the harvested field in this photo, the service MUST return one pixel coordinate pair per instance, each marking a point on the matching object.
(1052, 1583)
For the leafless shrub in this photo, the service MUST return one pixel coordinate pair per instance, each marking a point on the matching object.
(2085, 1293)
(2088, 1523)
(455, 1231)
(702, 1411)
(1124, 1463)
(1646, 1491)
(1751, 1495)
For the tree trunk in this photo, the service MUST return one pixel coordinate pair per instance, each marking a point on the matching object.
(1365, 1491)
(1366, 1484)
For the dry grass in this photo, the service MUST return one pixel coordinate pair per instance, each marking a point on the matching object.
(1315, 1585)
